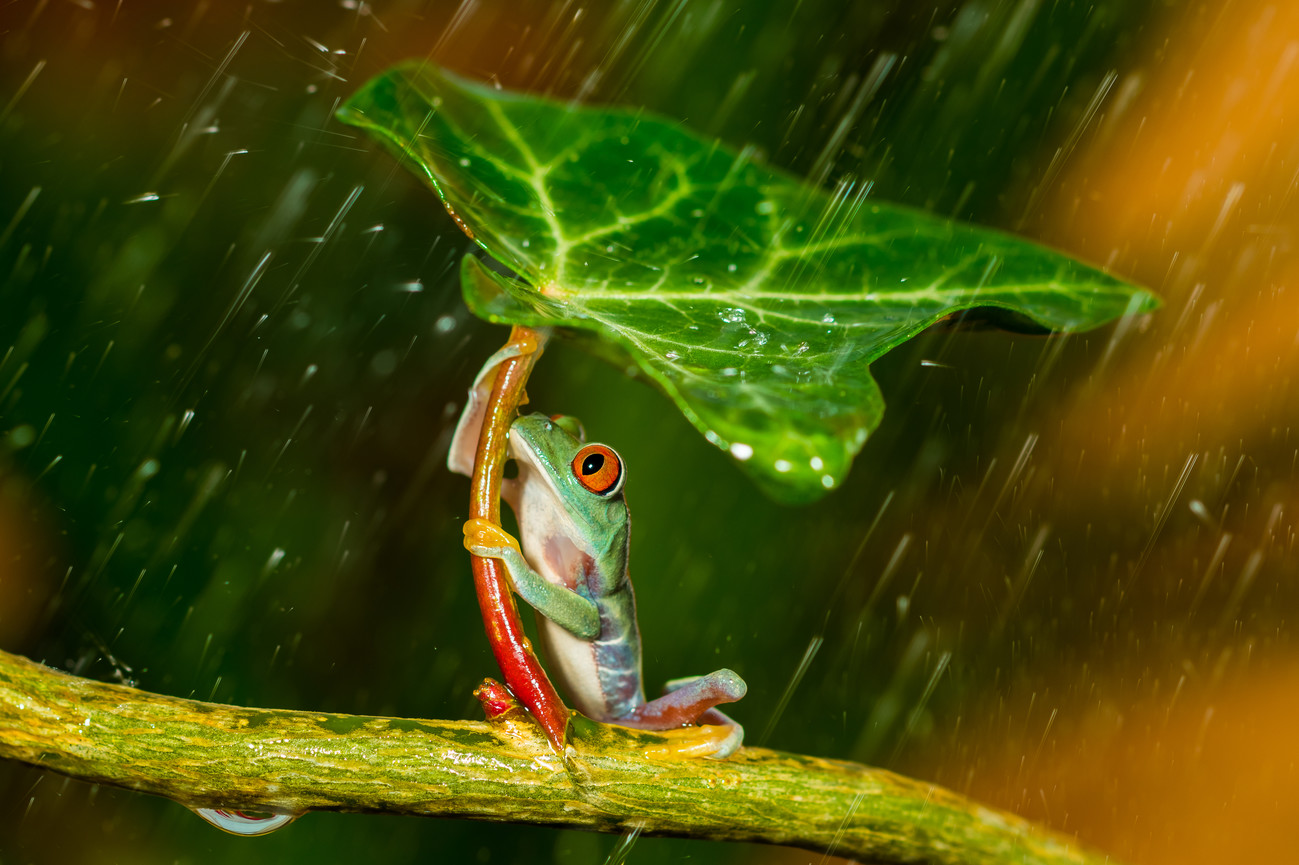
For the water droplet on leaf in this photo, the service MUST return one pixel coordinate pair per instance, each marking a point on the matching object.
(741, 451)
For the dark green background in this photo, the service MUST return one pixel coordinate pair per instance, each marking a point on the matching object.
(226, 471)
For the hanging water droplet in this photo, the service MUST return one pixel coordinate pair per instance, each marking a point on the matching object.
(248, 823)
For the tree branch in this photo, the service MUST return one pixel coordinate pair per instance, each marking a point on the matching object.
(208, 755)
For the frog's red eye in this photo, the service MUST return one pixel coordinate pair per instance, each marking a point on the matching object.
(599, 469)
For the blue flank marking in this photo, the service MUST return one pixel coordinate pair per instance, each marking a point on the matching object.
(617, 660)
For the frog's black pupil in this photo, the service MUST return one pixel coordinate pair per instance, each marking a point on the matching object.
(592, 464)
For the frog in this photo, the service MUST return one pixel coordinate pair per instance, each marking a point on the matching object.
(571, 566)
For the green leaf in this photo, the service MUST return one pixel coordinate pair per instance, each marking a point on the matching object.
(755, 301)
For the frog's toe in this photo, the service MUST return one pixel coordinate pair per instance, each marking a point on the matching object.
(730, 744)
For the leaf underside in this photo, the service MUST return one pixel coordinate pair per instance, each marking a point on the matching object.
(755, 301)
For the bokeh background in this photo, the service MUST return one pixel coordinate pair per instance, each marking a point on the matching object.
(1061, 578)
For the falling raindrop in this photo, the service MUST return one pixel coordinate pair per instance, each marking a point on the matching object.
(247, 823)
(1201, 511)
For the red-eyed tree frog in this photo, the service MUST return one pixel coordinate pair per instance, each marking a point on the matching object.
(572, 569)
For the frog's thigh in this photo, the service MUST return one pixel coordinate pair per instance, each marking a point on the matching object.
(464, 444)
(569, 610)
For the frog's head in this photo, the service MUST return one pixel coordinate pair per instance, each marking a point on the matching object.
(569, 488)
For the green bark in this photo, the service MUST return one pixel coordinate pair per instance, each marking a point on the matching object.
(209, 755)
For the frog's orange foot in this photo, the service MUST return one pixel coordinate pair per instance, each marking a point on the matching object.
(692, 743)
(485, 538)
(591, 738)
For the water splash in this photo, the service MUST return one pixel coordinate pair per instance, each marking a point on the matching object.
(247, 823)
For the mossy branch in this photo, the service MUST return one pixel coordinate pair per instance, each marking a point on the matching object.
(208, 755)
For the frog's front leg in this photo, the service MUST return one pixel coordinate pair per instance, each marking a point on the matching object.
(569, 610)
(464, 444)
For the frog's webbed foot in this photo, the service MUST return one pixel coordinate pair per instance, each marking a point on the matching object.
(464, 445)
(692, 701)
(487, 539)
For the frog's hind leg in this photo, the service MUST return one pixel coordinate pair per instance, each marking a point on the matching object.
(689, 700)
(692, 701)
(464, 444)
(713, 715)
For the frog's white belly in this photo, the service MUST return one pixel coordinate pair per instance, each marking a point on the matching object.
(601, 677)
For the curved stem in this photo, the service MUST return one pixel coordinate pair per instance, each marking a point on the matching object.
(204, 755)
(519, 665)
